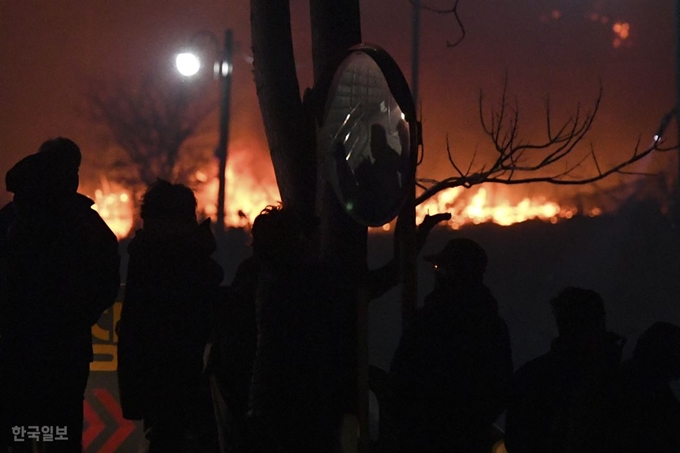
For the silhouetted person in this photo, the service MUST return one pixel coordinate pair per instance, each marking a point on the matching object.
(297, 390)
(644, 413)
(381, 181)
(165, 323)
(375, 187)
(346, 179)
(8, 214)
(450, 372)
(60, 271)
(7, 218)
(555, 398)
(384, 278)
(232, 355)
(385, 158)
(61, 146)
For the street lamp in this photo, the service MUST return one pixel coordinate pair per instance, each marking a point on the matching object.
(189, 64)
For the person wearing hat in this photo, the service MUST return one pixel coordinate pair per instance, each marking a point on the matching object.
(555, 399)
(450, 373)
(62, 162)
(59, 270)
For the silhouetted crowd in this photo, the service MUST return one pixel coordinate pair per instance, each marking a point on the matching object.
(269, 363)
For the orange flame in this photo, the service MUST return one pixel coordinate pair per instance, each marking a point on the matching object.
(480, 209)
(247, 194)
(114, 205)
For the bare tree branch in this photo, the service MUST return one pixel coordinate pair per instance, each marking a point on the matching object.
(637, 173)
(447, 11)
(597, 165)
(149, 119)
(518, 160)
(472, 161)
(448, 152)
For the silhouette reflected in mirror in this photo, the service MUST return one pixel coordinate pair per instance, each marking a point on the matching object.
(365, 141)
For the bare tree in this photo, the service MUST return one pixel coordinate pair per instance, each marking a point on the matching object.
(150, 119)
(520, 160)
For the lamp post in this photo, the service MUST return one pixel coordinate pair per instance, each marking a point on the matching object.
(188, 64)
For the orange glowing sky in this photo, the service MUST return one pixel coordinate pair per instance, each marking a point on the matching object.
(562, 47)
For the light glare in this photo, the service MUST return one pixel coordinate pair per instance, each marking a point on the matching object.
(221, 68)
(188, 64)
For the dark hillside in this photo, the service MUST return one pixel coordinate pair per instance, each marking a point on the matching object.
(632, 259)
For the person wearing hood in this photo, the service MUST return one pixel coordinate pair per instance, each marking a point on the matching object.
(556, 398)
(59, 266)
(165, 322)
(449, 375)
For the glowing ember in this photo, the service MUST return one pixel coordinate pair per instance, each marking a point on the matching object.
(200, 176)
(621, 30)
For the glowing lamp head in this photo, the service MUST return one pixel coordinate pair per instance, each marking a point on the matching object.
(187, 64)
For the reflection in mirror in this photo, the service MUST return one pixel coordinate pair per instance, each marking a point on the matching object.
(365, 142)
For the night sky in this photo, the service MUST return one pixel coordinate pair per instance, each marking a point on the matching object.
(50, 49)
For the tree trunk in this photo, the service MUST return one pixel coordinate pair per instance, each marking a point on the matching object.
(289, 129)
(291, 133)
(336, 26)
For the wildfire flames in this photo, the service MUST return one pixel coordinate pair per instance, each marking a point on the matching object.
(248, 195)
(480, 208)
(114, 205)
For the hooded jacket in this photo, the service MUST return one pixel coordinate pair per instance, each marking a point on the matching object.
(166, 318)
(59, 275)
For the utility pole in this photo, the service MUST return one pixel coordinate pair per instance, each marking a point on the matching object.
(409, 256)
(415, 51)
(224, 73)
